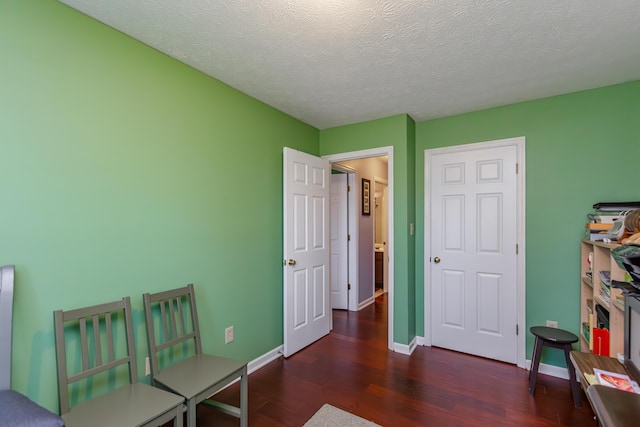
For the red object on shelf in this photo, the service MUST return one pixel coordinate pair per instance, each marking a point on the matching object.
(601, 341)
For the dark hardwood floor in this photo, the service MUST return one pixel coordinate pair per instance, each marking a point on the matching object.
(352, 369)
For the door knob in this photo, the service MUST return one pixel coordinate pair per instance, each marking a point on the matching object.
(292, 262)
(436, 260)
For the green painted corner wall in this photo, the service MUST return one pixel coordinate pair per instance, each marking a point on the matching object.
(126, 171)
(581, 148)
(396, 131)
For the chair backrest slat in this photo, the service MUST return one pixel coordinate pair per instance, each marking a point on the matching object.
(172, 317)
(109, 330)
(96, 341)
(165, 328)
(171, 343)
(84, 344)
(183, 330)
(98, 369)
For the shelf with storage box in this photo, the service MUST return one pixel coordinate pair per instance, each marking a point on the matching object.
(601, 306)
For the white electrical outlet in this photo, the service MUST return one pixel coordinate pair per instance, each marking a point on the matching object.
(552, 323)
(147, 367)
(228, 335)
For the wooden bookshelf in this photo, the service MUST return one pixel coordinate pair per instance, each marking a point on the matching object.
(593, 293)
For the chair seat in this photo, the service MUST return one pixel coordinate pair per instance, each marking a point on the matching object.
(614, 407)
(130, 405)
(19, 411)
(193, 376)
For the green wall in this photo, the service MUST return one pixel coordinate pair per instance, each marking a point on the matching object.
(125, 171)
(581, 148)
(396, 131)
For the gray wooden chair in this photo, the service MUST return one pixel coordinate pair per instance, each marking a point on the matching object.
(95, 349)
(194, 375)
(16, 410)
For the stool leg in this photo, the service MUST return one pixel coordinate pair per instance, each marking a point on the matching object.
(575, 389)
(533, 356)
(537, 352)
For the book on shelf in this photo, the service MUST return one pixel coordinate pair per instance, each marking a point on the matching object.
(607, 219)
(599, 236)
(586, 331)
(616, 380)
(605, 276)
(597, 226)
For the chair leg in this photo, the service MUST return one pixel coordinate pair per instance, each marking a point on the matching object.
(575, 389)
(535, 363)
(179, 415)
(191, 413)
(244, 399)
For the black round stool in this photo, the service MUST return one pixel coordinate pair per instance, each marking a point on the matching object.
(555, 338)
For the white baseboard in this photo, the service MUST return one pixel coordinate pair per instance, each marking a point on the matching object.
(266, 358)
(366, 302)
(551, 370)
(404, 348)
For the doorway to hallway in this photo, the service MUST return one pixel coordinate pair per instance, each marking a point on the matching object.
(362, 249)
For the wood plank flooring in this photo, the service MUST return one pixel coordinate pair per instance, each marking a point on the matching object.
(352, 369)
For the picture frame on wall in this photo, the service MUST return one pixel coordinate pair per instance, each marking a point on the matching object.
(366, 199)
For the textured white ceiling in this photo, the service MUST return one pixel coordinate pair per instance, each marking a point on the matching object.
(336, 62)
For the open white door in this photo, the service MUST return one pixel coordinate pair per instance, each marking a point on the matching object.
(307, 300)
(339, 243)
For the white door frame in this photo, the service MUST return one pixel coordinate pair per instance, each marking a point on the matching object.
(362, 154)
(519, 142)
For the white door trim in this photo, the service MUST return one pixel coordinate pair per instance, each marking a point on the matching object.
(375, 152)
(519, 142)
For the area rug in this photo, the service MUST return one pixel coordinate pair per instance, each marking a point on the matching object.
(330, 416)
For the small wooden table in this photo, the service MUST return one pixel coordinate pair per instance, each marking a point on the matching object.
(613, 407)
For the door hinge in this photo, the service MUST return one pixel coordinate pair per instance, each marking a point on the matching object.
(517, 330)
(517, 168)
(348, 188)
(348, 237)
(516, 249)
(348, 286)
